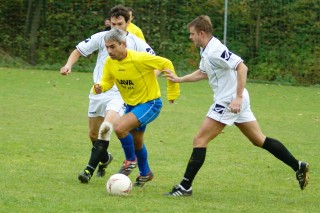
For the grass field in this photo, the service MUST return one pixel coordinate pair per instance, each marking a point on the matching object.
(44, 145)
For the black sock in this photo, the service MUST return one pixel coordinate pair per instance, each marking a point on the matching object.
(97, 150)
(105, 154)
(195, 163)
(280, 151)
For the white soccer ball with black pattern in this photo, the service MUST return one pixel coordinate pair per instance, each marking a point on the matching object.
(119, 184)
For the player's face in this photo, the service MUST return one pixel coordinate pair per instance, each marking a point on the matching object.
(119, 23)
(116, 50)
(107, 23)
(195, 37)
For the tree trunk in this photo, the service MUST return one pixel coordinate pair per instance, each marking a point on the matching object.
(163, 23)
(257, 33)
(35, 8)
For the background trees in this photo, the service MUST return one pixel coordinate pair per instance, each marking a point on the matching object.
(278, 39)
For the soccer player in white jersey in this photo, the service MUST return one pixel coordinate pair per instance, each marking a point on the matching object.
(106, 108)
(227, 76)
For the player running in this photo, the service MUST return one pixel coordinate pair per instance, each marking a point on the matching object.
(227, 76)
(106, 108)
(133, 73)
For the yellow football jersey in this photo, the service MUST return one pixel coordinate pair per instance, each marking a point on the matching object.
(134, 29)
(136, 79)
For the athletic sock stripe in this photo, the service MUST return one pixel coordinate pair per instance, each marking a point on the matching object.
(90, 167)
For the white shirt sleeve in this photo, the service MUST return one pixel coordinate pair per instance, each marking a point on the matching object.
(91, 44)
(226, 59)
(135, 43)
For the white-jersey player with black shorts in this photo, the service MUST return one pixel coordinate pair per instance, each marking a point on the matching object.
(227, 75)
(106, 108)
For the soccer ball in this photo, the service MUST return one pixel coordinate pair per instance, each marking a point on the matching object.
(119, 184)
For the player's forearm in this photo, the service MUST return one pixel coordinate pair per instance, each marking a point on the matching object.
(105, 86)
(242, 70)
(73, 58)
(192, 77)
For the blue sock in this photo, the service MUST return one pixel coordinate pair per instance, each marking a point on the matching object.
(128, 147)
(143, 165)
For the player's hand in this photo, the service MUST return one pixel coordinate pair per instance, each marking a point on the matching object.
(235, 105)
(171, 101)
(97, 88)
(65, 70)
(171, 76)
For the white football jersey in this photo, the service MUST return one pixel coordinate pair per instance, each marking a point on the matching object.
(220, 65)
(96, 42)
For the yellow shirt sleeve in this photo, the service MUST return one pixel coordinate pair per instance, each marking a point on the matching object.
(134, 29)
(160, 63)
(136, 79)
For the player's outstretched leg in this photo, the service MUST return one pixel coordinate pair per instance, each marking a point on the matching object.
(303, 174)
(276, 148)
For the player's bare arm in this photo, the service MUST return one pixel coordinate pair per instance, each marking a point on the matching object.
(73, 58)
(236, 103)
(195, 76)
(242, 70)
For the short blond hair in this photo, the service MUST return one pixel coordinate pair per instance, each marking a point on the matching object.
(202, 23)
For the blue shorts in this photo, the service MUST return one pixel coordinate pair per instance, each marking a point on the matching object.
(145, 112)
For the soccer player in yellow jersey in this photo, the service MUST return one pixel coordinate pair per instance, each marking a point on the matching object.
(133, 73)
(132, 28)
(104, 109)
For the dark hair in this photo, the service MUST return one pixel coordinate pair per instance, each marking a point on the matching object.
(202, 23)
(130, 9)
(118, 11)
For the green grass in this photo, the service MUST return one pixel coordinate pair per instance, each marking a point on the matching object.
(44, 145)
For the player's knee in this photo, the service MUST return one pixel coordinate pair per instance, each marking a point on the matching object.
(119, 130)
(93, 136)
(105, 127)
